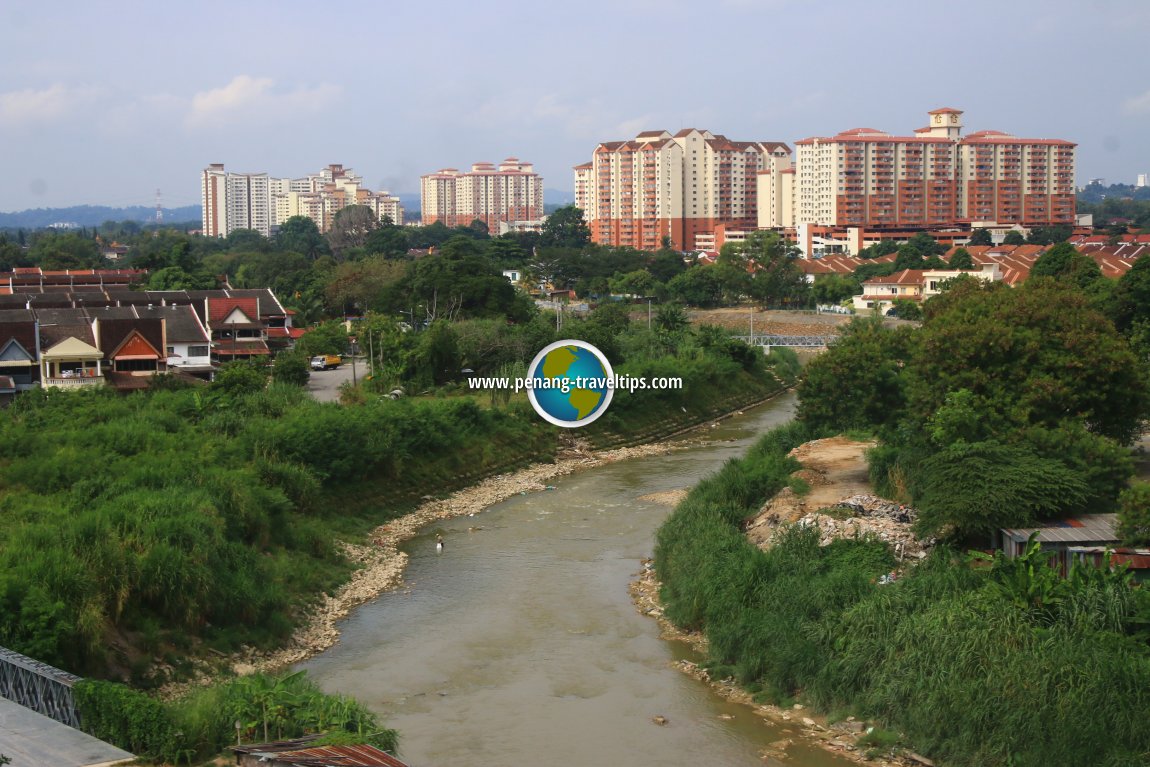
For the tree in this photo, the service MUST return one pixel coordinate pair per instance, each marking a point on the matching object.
(356, 287)
(11, 255)
(733, 271)
(350, 228)
(565, 228)
(328, 338)
(506, 252)
(1064, 262)
(881, 248)
(773, 265)
(666, 265)
(980, 237)
(636, 283)
(479, 229)
(981, 487)
(698, 286)
(438, 353)
(458, 281)
(65, 251)
(299, 234)
(1038, 355)
(906, 309)
(175, 278)
(926, 245)
(389, 240)
(1054, 262)
(909, 257)
(238, 378)
(1132, 296)
(834, 288)
(247, 240)
(1014, 237)
(1134, 514)
(857, 383)
(671, 318)
(962, 258)
(1048, 235)
(291, 368)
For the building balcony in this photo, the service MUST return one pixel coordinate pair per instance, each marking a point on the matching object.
(74, 383)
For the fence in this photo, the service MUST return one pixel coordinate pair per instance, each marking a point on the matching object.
(45, 689)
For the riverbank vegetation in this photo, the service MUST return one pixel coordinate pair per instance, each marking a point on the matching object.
(251, 709)
(1006, 407)
(142, 531)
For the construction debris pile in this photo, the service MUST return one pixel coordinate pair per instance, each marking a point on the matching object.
(859, 516)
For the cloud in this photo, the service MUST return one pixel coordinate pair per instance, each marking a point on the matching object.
(248, 98)
(1137, 105)
(30, 106)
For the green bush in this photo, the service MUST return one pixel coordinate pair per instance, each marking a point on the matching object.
(1006, 664)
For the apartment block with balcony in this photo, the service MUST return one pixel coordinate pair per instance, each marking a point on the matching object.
(507, 197)
(257, 201)
(934, 179)
(677, 188)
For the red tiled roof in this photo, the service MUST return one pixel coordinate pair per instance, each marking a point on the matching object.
(220, 308)
(905, 277)
(1003, 138)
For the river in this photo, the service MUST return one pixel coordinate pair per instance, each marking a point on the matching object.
(518, 645)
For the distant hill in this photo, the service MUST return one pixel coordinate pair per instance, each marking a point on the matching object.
(558, 197)
(93, 215)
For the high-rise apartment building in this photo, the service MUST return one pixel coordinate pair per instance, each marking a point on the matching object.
(255, 201)
(234, 201)
(671, 188)
(935, 178)
(509, 196)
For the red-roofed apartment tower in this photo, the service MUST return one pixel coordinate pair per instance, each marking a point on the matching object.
(935, 179)
(658, 186)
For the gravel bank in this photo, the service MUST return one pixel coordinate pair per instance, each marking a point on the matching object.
(797, 722)
(381, 563)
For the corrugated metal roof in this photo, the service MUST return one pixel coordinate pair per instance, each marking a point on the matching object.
(297, 753)
(1089, 528)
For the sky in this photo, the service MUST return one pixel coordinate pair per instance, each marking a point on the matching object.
(104, 103)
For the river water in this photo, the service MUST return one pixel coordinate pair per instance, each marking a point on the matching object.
(518, 645)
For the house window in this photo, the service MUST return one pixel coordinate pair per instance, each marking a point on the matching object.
(130, 365)
(171, 351)
(198, 351)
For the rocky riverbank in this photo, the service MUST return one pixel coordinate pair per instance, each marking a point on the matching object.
(835, 496)
(841, 738)
(380, 563)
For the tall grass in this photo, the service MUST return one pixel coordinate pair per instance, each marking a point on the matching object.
(204, 723)
(963, 661)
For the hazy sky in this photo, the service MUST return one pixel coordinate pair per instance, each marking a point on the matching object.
(104, 102)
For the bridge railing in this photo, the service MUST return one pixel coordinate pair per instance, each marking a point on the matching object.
(802, 342)
(45, 689)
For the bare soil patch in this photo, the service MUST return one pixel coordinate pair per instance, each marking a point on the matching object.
(772, 322)
(834, 468)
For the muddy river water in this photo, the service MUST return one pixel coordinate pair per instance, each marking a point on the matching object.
(519, 646)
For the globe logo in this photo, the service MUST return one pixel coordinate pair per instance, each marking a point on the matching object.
(570, 383)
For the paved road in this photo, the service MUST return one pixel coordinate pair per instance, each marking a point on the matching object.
(324, 384)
